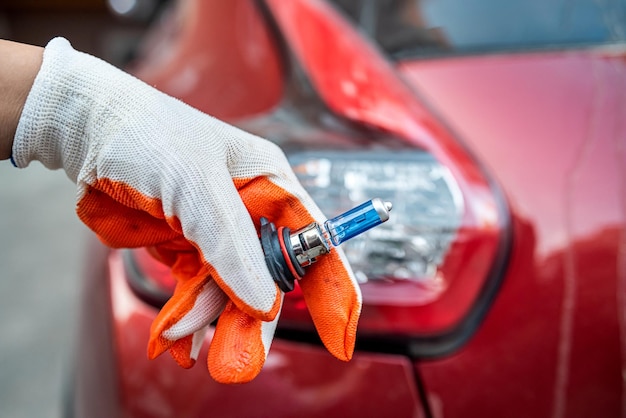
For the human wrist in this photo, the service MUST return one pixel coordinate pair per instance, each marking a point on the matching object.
(51, 128)
(76, 105)
(19, 65)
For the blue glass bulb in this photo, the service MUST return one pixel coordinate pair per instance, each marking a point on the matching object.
(356, 221)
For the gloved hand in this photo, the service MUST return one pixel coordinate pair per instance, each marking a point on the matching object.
(154, 172)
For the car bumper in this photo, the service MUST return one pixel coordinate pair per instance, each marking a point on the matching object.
(115, 378)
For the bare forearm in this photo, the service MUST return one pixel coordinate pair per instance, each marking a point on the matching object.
(19, 65)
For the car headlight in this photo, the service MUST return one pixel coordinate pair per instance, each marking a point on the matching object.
(428, 207)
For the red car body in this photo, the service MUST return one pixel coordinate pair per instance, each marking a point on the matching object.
(541, 131)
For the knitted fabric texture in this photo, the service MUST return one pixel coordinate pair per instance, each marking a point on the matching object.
(152, 171)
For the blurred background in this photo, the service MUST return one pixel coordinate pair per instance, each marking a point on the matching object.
(42, 238)
(91, 25)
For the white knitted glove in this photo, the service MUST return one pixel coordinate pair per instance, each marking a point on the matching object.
(152, 171)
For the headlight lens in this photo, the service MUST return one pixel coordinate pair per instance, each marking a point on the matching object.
(427, 210)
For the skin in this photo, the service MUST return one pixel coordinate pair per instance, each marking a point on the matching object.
(19, 65)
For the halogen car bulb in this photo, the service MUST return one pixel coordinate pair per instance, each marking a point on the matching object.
(288, 253)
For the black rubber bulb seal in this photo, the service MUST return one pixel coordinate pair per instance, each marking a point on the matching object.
(274, 257)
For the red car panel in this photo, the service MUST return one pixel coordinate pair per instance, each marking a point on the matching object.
(213, 53)
(297, 379)
(550, 127)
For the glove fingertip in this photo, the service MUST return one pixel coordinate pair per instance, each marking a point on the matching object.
(223, 372)
(180, 352)
(334, 301)
(157, 346)
(341, 345)
(351, 329)
(237, 352)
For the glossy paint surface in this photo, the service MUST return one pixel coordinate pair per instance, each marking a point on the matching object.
(550, 126)
(217, 55)
(297, 380)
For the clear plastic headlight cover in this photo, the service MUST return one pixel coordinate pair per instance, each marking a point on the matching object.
(427, 212)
